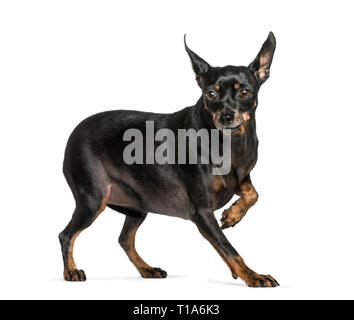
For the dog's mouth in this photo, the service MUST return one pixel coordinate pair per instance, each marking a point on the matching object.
(233, 127)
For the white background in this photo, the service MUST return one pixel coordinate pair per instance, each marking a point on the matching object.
(61, 61)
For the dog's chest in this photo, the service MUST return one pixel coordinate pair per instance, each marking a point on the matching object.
(244, 152)
(243, 161)
(243, 158)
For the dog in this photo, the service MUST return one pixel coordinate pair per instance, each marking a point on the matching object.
(98, 176)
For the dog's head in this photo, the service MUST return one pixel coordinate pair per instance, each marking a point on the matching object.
(230, 93)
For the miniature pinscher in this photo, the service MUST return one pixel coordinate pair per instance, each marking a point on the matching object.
(98, 176)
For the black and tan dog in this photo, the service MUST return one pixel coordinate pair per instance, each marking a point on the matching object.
(98, 176)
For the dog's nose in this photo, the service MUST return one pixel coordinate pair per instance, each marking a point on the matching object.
(226, 119)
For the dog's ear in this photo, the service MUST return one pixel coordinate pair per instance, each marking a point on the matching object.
(200, 66)
(261, 65)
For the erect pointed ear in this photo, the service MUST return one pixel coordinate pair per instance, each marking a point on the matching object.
(200, 66)
(261, 65)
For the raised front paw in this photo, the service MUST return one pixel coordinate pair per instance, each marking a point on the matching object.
(259, 280)
(231, 216)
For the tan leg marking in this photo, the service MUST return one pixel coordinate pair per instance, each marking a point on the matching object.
(131, 252)
(145, 270)
(70, 265)
(251, 278)
(239, 268)
(234, 214)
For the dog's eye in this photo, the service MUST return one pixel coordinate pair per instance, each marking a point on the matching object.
(211, 95)
(245, 93)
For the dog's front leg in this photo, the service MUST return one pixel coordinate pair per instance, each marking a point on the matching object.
(248, 197)
(209, 228)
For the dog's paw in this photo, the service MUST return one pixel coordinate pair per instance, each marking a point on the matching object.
(153, 273)
(231, 216)
(74, 275)
(259, 280)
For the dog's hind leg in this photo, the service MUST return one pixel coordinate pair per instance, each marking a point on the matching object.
(127, 241)
(88, 207)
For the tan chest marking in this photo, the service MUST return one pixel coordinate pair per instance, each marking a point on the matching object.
(218, 183)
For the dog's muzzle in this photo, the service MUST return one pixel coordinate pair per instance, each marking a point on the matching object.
(228, 119)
